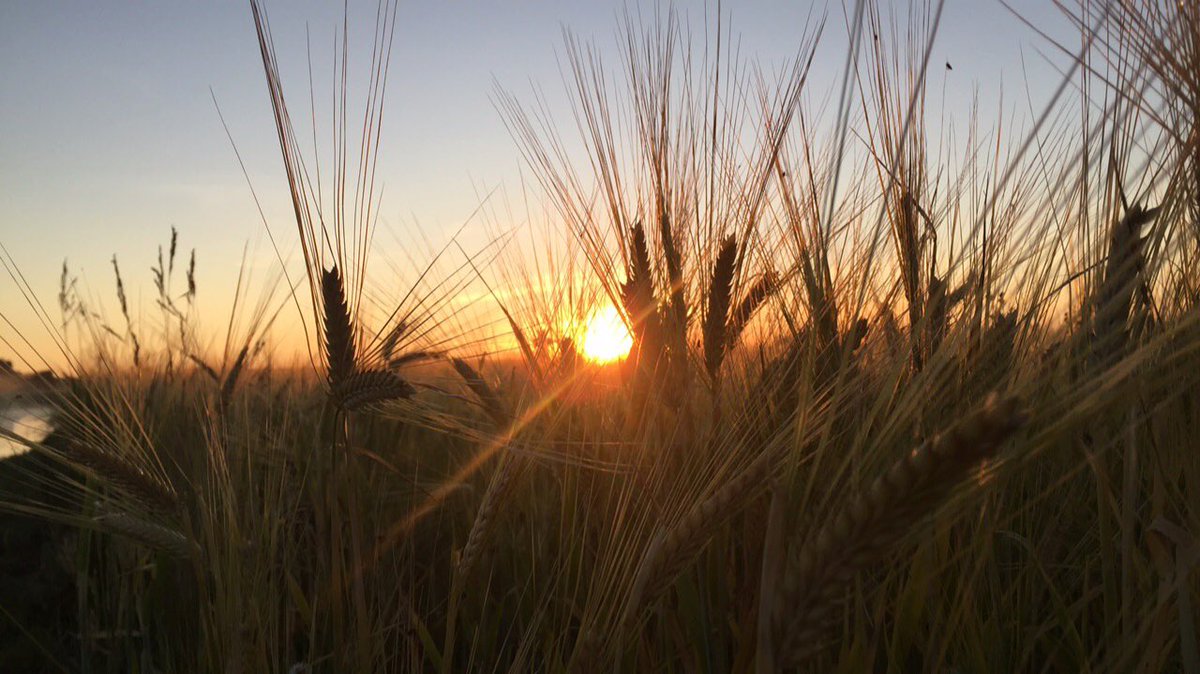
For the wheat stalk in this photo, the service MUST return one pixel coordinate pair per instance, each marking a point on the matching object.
(876, 519)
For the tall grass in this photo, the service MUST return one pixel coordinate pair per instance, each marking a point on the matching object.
(894, 403)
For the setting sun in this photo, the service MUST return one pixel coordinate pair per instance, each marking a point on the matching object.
(604, 337)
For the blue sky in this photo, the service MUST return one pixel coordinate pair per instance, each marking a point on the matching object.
(110, 135)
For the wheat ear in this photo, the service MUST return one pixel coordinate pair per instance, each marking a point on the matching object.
(152, 534)
(674, 270)
(720, 291)
(875, 520)
(637, 294)
(125, 476)
(1114, 296)
(754, 297)
(773, 557)
(350, 388)
(360, 389)
(411, 357)
(204, 367)
(497, 491)
(339, 330)
(487, 397)
(231, 379)
(388, 347)
(670, 551)
(502, 480)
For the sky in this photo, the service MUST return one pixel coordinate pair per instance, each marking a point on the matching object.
(110, 133)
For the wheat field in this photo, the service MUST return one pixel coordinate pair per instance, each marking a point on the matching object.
(858, 403)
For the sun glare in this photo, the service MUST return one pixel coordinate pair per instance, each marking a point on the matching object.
(604, 337)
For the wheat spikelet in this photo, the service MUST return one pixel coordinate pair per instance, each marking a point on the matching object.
(339, 331)
(152, 534)
(125, 476)
(720, 289)
(361, 389)
(877, 519)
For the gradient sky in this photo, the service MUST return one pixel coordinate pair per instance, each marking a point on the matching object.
(109, 135)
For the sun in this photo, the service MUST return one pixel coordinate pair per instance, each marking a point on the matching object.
(604, 337)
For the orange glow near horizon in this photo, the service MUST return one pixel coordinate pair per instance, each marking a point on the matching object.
(603, 337)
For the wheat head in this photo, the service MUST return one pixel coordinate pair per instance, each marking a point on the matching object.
(876, 519)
